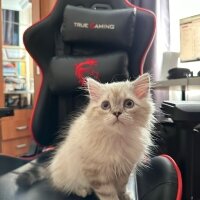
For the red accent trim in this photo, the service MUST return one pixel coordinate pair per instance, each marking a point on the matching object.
(179, 176)
(86, 67)
(29, 158)
(42, 73)
(50, 148)
(152, 37)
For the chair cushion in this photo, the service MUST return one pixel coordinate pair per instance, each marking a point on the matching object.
(65, 74)
(107, 27)
(156, 182)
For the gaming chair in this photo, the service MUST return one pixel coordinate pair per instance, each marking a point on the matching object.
(105, 39)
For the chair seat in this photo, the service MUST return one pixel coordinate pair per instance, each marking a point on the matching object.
(39, 191)
(160, 172)
(42, 190)
(10, 163)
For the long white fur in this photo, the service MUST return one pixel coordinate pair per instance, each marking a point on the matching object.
(95, 142)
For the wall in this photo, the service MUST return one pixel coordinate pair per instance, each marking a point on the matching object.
(177, 12)
(181, 9)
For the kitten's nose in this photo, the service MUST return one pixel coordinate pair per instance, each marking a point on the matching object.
(117, 114)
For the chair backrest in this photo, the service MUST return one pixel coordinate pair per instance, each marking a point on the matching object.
(108, 40)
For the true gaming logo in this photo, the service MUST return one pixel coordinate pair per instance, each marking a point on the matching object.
(94, 26)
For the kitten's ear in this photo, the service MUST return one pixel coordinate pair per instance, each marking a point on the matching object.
(94, 88)
(142, 86)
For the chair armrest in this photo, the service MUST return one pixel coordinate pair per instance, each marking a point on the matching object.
(159, 180)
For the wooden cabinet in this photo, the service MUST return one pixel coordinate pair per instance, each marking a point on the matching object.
(15, 134)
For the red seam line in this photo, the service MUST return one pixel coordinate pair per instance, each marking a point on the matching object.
(152, 37)
(179, 176)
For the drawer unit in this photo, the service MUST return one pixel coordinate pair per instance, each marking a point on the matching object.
(15, 133)
(12, 129)
(15, 147)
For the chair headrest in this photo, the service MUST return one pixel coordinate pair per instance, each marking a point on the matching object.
(107, 27)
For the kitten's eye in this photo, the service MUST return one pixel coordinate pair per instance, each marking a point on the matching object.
(105, 105)
(128, 103)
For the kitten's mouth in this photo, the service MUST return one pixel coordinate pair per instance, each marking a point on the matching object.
(117, 121)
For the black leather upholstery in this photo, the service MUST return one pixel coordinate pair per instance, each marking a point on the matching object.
(158, 181)
(8, 164)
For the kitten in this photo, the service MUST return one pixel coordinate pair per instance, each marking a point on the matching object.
(106, 142)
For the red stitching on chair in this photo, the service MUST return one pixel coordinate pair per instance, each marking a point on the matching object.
(86, 68)
(179, 176)
(153, 34)
(42, 74)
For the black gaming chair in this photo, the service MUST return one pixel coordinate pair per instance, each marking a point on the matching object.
(106, 39)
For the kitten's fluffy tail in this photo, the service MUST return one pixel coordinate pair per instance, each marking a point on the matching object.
(31, 176)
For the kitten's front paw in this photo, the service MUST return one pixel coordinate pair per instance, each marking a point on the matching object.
(24, 180)
(82, 192)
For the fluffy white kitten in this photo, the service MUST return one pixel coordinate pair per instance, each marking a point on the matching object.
(105, 143)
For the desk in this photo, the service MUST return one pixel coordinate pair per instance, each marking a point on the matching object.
(177, 82)
(182, 82)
